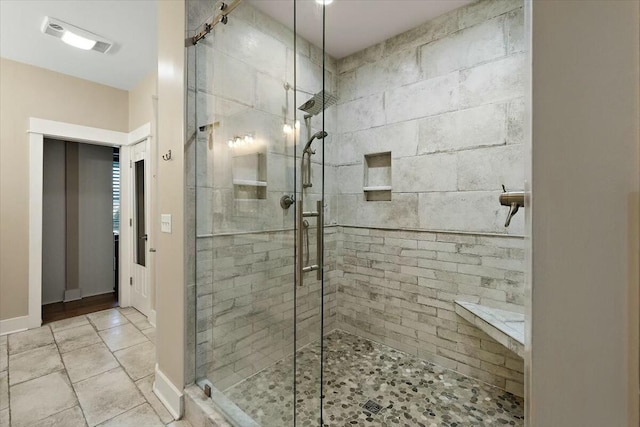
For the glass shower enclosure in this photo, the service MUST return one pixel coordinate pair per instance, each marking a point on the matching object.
(346, 225)
(263, 105)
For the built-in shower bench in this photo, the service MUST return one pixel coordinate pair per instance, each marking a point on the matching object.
(506, 327)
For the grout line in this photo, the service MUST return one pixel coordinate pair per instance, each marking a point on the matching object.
(147, 400)
(122, 413)
(39, 376)
(68, 378)
(121, 366)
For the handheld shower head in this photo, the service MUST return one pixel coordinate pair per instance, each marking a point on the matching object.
(320, 135)
(305, 166)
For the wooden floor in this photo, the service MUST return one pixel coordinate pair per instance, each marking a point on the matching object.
(65, 310)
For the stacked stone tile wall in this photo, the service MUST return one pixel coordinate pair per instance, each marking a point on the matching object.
(245, 310)
(399, 289)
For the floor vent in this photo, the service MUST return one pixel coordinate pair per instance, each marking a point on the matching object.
(372, 407)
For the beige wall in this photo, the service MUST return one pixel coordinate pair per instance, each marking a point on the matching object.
(170, 300)
(141, 100)
(28, 91)
(585, 171)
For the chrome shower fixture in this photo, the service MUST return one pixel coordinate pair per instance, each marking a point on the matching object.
(320, 135)
(320, 101)
(306, 159)
(514, 200)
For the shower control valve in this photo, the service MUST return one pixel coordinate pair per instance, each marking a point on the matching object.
(286, 201)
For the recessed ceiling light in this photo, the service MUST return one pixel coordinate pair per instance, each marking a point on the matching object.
(74, 36)
(78, 41)
(324, 2)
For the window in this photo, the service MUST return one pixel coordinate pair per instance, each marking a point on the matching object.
(115, 181)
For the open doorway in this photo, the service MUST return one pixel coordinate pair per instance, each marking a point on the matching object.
(81, 227)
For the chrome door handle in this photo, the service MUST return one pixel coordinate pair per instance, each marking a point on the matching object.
(300, 267)
(298, 251)
(319, 238)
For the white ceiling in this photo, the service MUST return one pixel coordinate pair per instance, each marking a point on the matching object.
(131, 24)
(352, 25)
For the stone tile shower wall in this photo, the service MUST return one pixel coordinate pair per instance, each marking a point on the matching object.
(245, 310)
(446, 99)
(399, 289)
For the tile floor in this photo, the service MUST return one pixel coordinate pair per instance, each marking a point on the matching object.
(410, 391)
(94, 370)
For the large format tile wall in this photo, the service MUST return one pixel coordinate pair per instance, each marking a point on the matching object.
(241, 295)
(446, 99)
(240, 88)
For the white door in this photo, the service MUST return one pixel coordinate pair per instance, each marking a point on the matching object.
(140, 298)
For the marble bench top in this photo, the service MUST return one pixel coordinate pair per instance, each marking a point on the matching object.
(506, 327)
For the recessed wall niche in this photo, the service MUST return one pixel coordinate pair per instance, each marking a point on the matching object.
(250, 176)
(377, 177)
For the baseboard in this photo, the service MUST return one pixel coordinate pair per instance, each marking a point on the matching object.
(95, 294)
(152, 317)
(15, 324)
(72, 294)
(170, 396)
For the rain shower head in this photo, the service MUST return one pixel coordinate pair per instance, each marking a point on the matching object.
(319, 102)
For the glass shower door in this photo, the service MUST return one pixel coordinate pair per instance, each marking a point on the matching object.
(316, 261)
(245, 168)
(264, 112)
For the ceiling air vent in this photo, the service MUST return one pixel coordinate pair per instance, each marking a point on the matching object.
(75, 36)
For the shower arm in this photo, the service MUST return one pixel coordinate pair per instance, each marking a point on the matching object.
(305, 170)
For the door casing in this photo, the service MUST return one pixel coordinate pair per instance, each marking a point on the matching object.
(39, 129)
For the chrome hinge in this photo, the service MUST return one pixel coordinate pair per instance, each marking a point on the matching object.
(130, 222)
(131, 280)
(131, 163)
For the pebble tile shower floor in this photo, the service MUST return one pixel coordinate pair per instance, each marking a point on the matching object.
(411, 391)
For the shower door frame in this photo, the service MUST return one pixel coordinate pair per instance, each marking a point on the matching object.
(302, 267)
